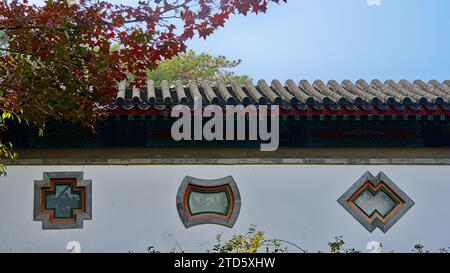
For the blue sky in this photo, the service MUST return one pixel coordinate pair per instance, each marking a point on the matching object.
(338, 39)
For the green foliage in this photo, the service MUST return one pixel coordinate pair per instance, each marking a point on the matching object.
(152, 249)
(3, 41)
(444, 250)
(62, 60)
(202, 66)
(6, 149)
(251, 242)
(419, 248)
(337, 246)
(254, 241)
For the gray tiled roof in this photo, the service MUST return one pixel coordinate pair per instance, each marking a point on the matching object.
(301, 95)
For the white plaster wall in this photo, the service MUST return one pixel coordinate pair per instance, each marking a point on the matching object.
(134, 208)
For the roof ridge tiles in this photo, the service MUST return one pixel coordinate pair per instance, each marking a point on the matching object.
(336, 87)
(165, 89)
(323, 88)
(422, 96)
(151, 95)
(351, 95)
(193, 89)
(120, 98)
(227, 97)
(384, 88)
(284, 93)
(273, 98)
(181, 94)
(443, 87)
(254, 93)
(210, 94)
(299, 93)
(432, 89)
(136, 95)
(368, 88)
(310, 90)
(368, 97)
(237, 88)
(399, 89)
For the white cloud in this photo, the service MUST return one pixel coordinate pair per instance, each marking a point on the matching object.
(374, 2)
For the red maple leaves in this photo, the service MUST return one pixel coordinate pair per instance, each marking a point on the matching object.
(68, 55)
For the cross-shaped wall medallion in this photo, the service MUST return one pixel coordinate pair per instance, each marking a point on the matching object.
(62, 200)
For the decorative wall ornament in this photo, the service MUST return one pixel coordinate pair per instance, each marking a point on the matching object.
(216, 201)
(62, 200)
(375, 201)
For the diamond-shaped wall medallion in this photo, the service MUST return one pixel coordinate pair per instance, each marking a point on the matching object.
(375, 201)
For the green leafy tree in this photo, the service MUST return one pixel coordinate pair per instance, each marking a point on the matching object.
(62, 59)
(3, 41)
(190, 65)
(252, 242)
(338, 246)
(6, 147)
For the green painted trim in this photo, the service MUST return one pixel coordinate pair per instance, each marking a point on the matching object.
(207, 192)
(374, 193)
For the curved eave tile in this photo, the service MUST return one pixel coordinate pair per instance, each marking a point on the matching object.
(302, 96)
